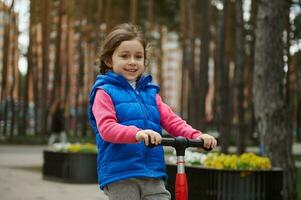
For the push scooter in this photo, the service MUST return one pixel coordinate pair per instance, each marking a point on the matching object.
(180, 144)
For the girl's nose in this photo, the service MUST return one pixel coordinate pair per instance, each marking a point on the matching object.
(132, 61)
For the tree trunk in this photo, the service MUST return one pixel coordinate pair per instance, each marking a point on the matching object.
(149, 21)
(58, 60)
(222, 83)
(35, 76)
(149, 25)
(291, 76)
(5, 61)
(160, 72)
(80, 76)
(5, 75)
(190, 55)
(24, 91)
(290, 73)
(45, 61)
(271, 111)
(249, 110)
(7, 90)
(67, 71)
(23, 123)
(81, 85)
(238, 77)
(5, 109)
(204, 57)
(298, 114)
(108, 11)
(228, 70)
(14, 76)
(183, 35)
(133, 11)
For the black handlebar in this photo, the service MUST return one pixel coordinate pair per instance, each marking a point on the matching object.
(181, 143)
(168, 142)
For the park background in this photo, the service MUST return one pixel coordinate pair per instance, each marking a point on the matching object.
(229, 67)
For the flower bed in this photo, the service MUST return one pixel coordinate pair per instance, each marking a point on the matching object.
(219, 176)
(73, 148)
(246, 161)
(75, 163)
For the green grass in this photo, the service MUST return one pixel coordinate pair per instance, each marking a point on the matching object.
(297, 157)
(299, 183)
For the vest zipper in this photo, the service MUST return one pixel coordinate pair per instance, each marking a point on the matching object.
(137, 94)
(142, 107)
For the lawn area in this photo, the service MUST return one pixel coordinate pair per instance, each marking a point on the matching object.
(299, 183)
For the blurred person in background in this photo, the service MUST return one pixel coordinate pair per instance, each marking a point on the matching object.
(56, 123)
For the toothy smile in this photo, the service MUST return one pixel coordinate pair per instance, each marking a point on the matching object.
(131, 70)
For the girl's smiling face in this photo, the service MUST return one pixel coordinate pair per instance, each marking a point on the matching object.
(128, 59)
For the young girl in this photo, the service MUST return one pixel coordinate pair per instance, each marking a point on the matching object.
(127, 113)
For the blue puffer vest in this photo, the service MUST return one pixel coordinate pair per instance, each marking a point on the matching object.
(133, 107)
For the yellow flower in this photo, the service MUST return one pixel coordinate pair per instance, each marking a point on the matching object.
(83, 148)
(247, 161)
(73, 148)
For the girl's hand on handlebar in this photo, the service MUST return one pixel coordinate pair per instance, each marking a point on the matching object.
(209, 141)
(149, 137)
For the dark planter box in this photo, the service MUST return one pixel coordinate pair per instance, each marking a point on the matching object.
(70, 167)
(213, 184)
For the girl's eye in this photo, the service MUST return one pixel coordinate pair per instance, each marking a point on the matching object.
(124, 56)
(139, 57)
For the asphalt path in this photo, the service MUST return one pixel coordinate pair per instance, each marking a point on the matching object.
(21, 178)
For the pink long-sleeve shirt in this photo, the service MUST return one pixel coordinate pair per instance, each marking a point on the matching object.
(111, 131)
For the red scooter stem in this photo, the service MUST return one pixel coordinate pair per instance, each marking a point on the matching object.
(180, 144)
(181, 187)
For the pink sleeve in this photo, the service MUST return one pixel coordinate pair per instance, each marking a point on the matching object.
(173, 124)
(110, 130)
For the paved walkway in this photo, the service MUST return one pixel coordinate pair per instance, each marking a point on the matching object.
(21, 178)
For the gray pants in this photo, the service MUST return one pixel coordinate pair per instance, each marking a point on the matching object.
(137, 189)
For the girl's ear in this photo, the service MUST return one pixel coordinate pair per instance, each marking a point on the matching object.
(108, 62)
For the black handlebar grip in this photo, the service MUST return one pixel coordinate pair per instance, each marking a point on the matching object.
(168, 141)
(195, 143)
(198, 143)
(164, 142)
(207, 149)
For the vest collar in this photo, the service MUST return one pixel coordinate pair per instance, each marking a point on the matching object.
(116, 79)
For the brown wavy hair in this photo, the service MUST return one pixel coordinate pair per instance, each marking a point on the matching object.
(120, 33)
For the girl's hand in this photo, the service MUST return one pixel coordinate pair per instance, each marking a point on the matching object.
(209, 141)
(149, 137)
